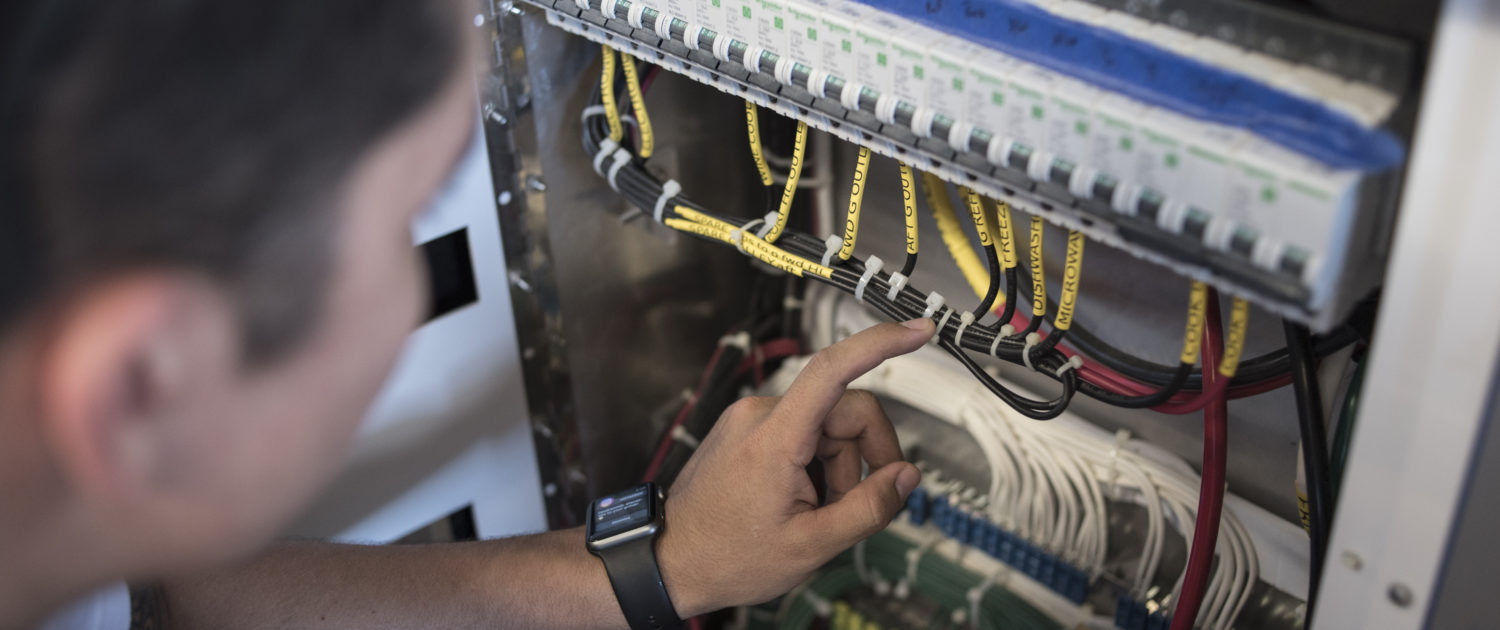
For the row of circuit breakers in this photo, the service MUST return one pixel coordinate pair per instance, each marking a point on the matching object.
(1261, 176)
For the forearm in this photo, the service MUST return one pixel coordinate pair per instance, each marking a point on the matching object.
(539, 581)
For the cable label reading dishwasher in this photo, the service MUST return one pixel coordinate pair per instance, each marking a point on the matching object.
(1071, 276)
(1197, 311)
(909, 202)
(1038, 279)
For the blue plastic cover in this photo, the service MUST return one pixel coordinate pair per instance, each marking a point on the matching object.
(1159, 77)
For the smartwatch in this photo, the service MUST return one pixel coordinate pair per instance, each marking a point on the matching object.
(622, 531)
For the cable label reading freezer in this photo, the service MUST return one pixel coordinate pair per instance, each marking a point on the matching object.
(1008, 258)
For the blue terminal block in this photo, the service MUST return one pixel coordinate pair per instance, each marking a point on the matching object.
(917, 506)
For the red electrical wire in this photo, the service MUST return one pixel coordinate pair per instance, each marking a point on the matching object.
(770, 350)
(1211, 490)
(666, 442)
(1183, 403)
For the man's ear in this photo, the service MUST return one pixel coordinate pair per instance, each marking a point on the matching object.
(121, 367)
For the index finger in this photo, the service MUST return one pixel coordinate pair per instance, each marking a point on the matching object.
(799, 415)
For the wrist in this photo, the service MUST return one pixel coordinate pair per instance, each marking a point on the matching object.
(690, 593)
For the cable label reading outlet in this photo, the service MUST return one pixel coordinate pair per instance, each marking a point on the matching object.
(856, 197)
(909, 202)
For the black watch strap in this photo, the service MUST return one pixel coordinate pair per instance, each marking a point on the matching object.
(636, 578)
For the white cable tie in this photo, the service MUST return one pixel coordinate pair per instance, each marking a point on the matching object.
(914, 557)
(1072, 363)
(668, 190)
(934, 302)
(964, 319)
(831, 245)
(898, 282)
(737, 235)
(605, 148)
(663, 26)
(784, 70)
(791, 303)
(621, 158)
(630, 215)
(1007, 330)
(976, 594)
(770, 223)
(947, 313)
(739, 340)
(872, 267)
(591, 111)
(821, 606)
(859, 562)
(637, 9)
(681, 436)
(721, 46)
(1031, 341)
(995, 345)
(850, 96)
(1122, 436)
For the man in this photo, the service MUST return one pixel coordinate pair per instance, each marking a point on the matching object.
(209, 272)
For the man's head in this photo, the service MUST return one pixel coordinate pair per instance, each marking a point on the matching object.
(208, 263)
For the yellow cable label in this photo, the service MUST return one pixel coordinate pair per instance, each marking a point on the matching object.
(607, 93)
(699, 217)
(1038, 270)
(1072, 273)
(1234, 341)
(638, 104)
(780, 258)
(792, 177)
(1008, 257)
(976, 212)
(751, 244)
(701, 229)
(752, 124)
(909, 202)
(856, 198)
(1192, 339)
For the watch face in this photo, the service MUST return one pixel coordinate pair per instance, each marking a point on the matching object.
(619, 513)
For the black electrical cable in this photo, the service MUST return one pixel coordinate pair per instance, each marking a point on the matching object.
(910, 265)
(1010, 295)
(1314, 454)
(994, 289)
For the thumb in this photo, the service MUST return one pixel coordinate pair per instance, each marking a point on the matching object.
(862, 511)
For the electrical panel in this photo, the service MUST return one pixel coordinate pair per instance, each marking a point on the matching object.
(1264, 175)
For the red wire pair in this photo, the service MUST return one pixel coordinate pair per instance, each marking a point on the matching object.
(1211, 489)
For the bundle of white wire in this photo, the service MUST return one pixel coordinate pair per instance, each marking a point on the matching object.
(1049, 480)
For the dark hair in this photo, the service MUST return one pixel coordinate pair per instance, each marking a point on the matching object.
(202, 135)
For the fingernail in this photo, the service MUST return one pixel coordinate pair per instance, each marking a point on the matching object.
(920, 323)
(906, 481)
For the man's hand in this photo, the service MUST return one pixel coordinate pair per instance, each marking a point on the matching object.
(743, 520)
